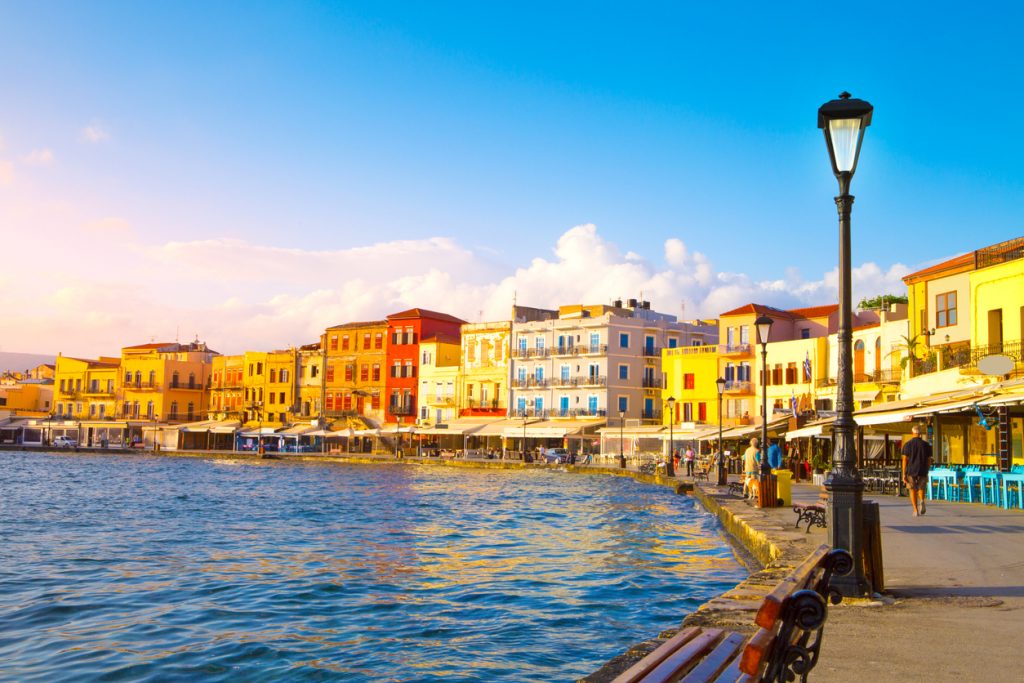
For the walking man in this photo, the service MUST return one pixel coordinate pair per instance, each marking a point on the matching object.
(688, 456)
(917, 460)
(750, 460)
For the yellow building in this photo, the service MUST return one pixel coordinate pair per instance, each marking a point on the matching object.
(227, 399)
(690, 375)
(168, 382)
(85, 388)
(268, 387)
(311, 381)
(439, 377)
(30, 397)
(484, 378)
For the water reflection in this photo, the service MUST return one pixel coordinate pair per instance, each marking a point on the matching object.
(140, 567)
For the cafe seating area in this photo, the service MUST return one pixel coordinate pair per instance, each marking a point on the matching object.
(978, 484)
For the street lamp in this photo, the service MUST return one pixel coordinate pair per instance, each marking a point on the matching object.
(723, 478)
(764, 328)
(622, 439)
(525, 419)
(669, 470)
(843, 122)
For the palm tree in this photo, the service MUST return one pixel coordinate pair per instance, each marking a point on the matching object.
(907, 349)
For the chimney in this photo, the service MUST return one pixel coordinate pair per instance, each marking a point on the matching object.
(632, 303)
(617, 303)
(646, 305)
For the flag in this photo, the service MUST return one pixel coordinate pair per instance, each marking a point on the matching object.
(807, 367)
(793, 405)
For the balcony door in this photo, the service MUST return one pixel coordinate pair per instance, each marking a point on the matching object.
(858, 361)
(995, 330)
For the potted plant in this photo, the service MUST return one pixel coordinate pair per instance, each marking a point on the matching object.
(819, 462)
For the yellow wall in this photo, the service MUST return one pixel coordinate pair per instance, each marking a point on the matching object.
(27, 399)
(700, 361)
(169, 384)
(265, 402)
(997, 287)
(484, 361)
(84, 388)
(439, 365)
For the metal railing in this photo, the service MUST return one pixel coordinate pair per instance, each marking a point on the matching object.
(652, 351)
(651, 383)
(739, 387)
(730, 349)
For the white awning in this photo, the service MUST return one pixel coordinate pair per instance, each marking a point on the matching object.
(440, 431)
(366, 432)
(868, 395)
(947, 407)
(891, 417)
(1002, 400)
(809, 431)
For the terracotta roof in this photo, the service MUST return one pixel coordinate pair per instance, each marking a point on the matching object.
(442, 339)
(413, 313)
(959, 264)
(365, 323)
(758, 309)
(815, 311)
(151, 345)
(868, 326)
(94, 362)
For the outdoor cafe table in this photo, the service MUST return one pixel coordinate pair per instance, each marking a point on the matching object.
(943, 476)
(972, 477)
(1019, 478)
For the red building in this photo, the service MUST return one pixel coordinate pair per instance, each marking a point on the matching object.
(405, 330)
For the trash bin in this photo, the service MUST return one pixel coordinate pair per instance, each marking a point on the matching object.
(784, 486)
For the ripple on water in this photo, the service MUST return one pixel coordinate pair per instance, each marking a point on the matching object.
(139, 568)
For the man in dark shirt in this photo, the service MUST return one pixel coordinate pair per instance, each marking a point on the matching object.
(917, 459)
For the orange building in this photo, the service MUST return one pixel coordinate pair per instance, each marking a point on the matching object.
(353, 381)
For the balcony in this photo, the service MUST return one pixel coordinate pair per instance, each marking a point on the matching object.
(491, 404)
(651, 383)
(99, 393)
(592, 381)
(650, 414)
(878, 377)
(739, 387)
(531, 412)
(735, 349)
(530, 383)
(185, 387)
(442, 401)
(564, 351)
(340, 413)
(965, 357)
(397, 409)
(577, 412)
(651, 351)
(141, 386)
(592, 349)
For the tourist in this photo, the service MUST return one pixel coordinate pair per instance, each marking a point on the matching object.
(689, 457)
(917, 460)
(750, 459)
(774, 455)
(675, 459)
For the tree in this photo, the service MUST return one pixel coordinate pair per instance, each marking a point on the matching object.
(907, 349)
(881, 301)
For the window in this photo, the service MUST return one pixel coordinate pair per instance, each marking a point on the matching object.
(364, 372)
(396, 369)
(283, 376)
(744, 372)
(777, 374)
(127, 379)
(791, 373)
(538, 404)
(174, 380)
(730, 336)
(623, 372)
(730, 372)
(344, 342)
(592, 404)
(250, 372)
(192, 380)
(378, 343)
(427, 358)
(273, 375)
(565, 373)
(152, 378)
(366, 340)
(744, 334)
(538, 372)
(623, 404)
(330, 373)
(149, 410)
(687, 412)
(945, 309)
(595, 342)
(350, 372)
(334, 347)
(314, 370)
(471, 350)
(539, 343)
(688, 381)
(623, 340)
(92, 410)
(280, 398)
(376, 372)
(174, 410)
(702, 412)
(673, 342)
(259, 368)
(805, 333)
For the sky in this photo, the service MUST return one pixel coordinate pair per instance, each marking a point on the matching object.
(250, 173)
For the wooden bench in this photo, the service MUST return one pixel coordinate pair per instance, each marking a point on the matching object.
(736, 488)
(791, 621)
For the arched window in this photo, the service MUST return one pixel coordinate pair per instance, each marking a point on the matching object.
(152, 378)
(174, 411)
(127, 377)
(191, 411)
(191, 380)
(138, 378)
(149, 410)
(174, 380)
(878, 355)
(858, 361)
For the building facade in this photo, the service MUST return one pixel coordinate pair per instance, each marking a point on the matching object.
(405, 330)
(169, 382)
(439, 379)
(354, 372)
(85, 388)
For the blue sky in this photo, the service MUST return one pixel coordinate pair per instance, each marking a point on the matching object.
(475, 137)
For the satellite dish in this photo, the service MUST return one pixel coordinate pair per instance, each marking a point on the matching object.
(996, 364)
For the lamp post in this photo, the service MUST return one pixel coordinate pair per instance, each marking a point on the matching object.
(843, 122)
(764, 328)
(622, 439)
(669, 469)
(525, 418)
(723, 477)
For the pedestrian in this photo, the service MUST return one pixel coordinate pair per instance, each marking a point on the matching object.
(774, 455)
(750, 460)
(917, 460)
(675, 459)
(689, 458)
(795, 464)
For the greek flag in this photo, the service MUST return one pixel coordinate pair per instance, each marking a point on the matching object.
(807, 367)
(793, 405)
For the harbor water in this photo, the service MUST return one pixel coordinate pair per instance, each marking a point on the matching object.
(126, 568)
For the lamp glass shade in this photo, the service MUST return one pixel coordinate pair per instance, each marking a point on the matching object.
(764, 328)
(845, 137)
(720, 382)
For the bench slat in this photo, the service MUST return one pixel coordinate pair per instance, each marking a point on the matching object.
(682, 659)
(719, 658)
(732, 673)
(756, 652)
(651, 661)
(770, 609)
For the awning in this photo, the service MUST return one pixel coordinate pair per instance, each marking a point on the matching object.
(551, 428)
(812, 430)
(947, 407)
(263, 431)
(366, 432)
(1005, 399)
(868, 395)
(498, 427)
(225, 427)
(440, 431)
(890, 417)
(297, 430)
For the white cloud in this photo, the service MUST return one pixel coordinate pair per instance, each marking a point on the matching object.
(94, 133)
(238, 295)
(39, 157)
(6, 172)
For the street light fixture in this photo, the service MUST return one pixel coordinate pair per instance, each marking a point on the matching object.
(843, 122)
(622, 439)
(764, 329)
(669, 469)
(723, 477)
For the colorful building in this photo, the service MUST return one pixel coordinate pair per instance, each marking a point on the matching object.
(168, 382)
(439, 378)
(484, 377)
(311, 381)
(85, 388)
(354, 375)
(227, 390)
(405, 330)
(27, 396)
(268, 387)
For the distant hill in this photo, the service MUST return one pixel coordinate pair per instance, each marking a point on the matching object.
(19, 362)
